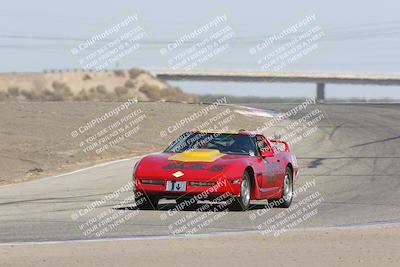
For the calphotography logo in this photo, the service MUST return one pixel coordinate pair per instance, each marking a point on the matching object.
(151, 133)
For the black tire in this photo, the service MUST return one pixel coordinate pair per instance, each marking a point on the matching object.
(287, 193)
(146, 202)
(242, 203)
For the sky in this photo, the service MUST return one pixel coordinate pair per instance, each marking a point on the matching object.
(358, 36)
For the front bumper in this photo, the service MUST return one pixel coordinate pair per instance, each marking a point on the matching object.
(221, 187)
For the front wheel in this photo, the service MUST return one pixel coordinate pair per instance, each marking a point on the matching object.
(242, 202)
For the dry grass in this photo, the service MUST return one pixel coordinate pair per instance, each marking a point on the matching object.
(130, 84)
(134, 73)
(151, 92)
(13, 91)
(119, 73)
(81, 86)
(120, 90)
(86, 77)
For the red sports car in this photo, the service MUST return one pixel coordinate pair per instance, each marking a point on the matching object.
(207, 165)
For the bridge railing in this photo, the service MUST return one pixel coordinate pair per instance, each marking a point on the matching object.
(320, 79)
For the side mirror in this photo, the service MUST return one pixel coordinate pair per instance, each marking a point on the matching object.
(266, 154)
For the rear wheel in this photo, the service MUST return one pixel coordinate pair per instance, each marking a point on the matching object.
(242, 202)
(146, 202)
(287, 190)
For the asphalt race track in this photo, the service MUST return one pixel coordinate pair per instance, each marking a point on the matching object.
(353, 157)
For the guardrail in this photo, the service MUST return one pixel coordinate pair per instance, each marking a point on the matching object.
(320, 79)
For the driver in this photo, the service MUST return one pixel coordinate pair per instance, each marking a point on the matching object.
(241, 145)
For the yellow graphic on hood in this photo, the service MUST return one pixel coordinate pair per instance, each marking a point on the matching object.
(198, 155)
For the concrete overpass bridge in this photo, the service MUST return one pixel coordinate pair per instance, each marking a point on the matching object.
(320, 79)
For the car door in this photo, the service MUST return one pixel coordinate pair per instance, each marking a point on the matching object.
(272, 164)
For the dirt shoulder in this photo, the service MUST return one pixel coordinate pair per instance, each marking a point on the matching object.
(36, 138)
(372, 246)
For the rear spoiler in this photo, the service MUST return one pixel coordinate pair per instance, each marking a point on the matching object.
(286, 144)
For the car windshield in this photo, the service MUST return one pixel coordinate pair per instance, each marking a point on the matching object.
(237, 144)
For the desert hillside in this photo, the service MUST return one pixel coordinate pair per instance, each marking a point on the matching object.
(35, 137)
(82, 86)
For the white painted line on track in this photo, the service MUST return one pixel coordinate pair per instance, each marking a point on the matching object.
(76, 171)
(205, 235)
(95, 166)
